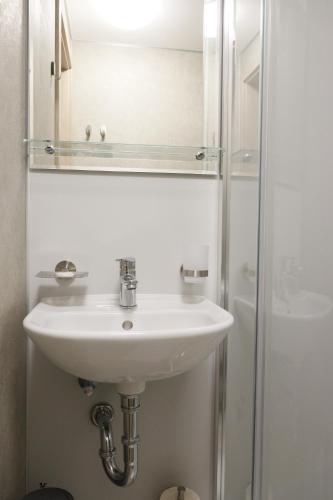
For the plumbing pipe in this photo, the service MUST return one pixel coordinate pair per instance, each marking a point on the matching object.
(88, 386)
(102, 415)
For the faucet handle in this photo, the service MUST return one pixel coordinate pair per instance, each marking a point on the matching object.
(130, 282)
(127, 266)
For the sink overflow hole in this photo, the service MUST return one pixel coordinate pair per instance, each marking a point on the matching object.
(127, 325)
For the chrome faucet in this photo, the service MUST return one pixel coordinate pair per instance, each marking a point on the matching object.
(128, 282)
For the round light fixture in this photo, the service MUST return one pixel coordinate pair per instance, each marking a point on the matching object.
(131, 14)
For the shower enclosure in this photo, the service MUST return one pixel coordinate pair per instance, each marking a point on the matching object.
(295, 281)
(277, 417)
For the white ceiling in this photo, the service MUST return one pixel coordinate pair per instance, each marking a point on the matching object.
(178, 26)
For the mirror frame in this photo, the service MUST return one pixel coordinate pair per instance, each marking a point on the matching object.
(41, 157)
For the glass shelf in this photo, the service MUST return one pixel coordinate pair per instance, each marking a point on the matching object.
(77, 155)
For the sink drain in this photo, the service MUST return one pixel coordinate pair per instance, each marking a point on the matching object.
(127, 325)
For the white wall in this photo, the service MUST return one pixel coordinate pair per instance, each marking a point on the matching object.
(298, 432)
(42, 52)
(93, 219)
(142, 95)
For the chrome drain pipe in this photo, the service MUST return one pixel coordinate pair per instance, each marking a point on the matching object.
(102, 415)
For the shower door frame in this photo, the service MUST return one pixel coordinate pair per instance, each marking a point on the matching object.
(228, 59)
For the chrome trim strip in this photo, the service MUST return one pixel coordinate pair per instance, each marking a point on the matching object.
(223, 238)
(257, 471)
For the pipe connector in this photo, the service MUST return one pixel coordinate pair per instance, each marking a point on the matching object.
(101, 416)
(88, 386)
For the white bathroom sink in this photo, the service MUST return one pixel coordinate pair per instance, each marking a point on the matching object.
(92, 337)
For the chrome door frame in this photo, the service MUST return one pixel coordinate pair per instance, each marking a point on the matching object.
(228, 51)
(221, 357)
(257, 472)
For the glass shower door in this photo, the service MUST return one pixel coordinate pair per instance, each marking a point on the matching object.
(294, 454)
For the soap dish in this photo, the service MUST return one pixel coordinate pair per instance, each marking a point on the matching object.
(63, 270)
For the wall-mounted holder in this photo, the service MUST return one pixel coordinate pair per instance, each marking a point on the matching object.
(194, 273)
(63, 270)
(195, 263)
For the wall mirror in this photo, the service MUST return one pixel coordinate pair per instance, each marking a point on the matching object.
(125, 85)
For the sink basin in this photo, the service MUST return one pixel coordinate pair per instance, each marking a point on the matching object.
(92, 337)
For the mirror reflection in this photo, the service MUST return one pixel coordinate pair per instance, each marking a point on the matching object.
(126, 71)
